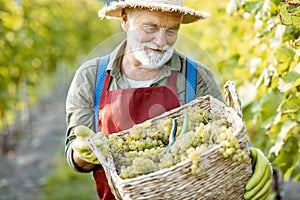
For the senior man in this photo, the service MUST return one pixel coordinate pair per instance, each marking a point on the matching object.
(140, 79)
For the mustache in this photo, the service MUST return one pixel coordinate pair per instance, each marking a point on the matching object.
(156, 47)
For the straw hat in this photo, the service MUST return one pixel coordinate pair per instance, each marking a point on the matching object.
(114, 10)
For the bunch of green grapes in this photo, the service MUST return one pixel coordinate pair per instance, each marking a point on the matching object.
(142, 136)
(101, 141)
(145, 148)
(182, 143)
(140, 165)
(126, 160)
(230, 147)
(167, 160)
(198, 115)
(194, 155)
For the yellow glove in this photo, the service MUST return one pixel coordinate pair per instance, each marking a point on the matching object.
(258, 186)
(81, 148)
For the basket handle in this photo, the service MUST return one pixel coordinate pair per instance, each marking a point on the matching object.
(232, 98)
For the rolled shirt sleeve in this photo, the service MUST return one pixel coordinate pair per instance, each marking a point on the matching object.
(80, 105)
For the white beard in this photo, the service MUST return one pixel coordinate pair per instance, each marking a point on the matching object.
(151, 60)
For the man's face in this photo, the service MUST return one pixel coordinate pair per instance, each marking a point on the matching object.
(151, 36)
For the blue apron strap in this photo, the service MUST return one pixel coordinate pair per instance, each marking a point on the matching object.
(101, 73)
(191, 80)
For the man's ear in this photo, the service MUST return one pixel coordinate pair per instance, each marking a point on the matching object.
(125, 22)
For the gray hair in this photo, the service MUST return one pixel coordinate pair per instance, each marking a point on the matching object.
(131, 13)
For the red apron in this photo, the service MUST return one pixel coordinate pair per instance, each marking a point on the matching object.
(121, 109)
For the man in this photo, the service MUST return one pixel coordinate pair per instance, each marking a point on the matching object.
(142, 78)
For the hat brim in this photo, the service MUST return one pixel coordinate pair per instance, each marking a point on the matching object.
(114, 10)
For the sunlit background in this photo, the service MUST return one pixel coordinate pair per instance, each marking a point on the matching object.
(43, 42)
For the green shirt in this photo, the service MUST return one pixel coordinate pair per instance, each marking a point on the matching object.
(80, 98)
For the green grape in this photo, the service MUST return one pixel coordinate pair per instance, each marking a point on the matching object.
(225, 155)
(221, 150)
(230, 150)
(246, 157)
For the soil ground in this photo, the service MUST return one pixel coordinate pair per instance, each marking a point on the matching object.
(24, 168)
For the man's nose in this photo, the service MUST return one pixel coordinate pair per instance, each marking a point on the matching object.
(160, 38)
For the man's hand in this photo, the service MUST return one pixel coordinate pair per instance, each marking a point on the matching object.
(81, 148)
(258, 186)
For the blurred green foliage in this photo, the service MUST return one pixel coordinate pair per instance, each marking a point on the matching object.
(64, 183)
(256, 44)
(36, 38)
(252, 42)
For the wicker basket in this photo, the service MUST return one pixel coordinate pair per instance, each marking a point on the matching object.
(221, 179)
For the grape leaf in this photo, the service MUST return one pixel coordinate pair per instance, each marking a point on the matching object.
(287, 160)
(289, 81)
(253, 7)
(290, 14)
(290, 105)
(283, 131)
(285, 56)
(266, 110)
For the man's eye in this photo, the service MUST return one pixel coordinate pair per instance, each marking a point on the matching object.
(171, 32)
(150, 29)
